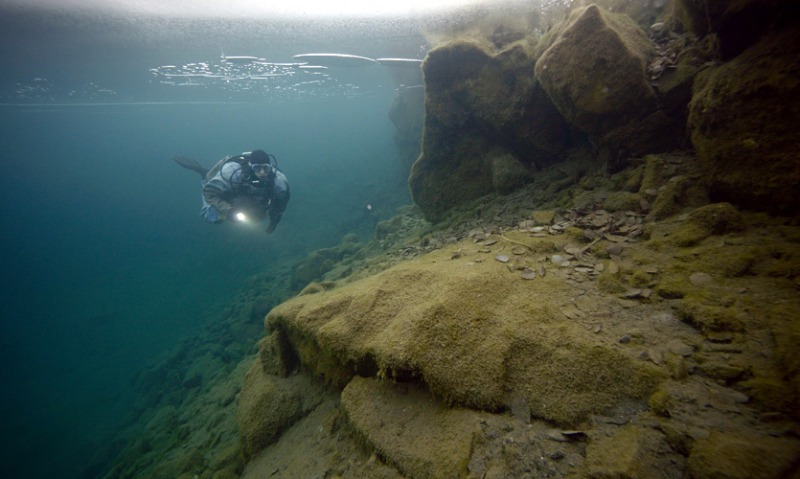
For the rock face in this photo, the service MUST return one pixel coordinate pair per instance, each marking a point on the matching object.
(583, 82)
(597, 79)
(743, 121)
(508, 173)
(476, 101)
(268, 405)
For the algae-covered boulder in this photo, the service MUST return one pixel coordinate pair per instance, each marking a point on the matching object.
(269, 404)
(594, 71)
(713, 219)
(477, 100)
(743, 456)
(634, 452)
(472, 332)
(743, 119)
(424, 438)
(470, 85)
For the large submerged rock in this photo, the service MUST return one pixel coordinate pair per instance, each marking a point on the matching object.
(478, 100)
(481, 338)
(423, 439)
(743, 119)
(595, 71)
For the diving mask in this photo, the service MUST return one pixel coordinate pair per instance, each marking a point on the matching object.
(261, 170)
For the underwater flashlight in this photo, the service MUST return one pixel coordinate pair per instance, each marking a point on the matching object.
(241, 217)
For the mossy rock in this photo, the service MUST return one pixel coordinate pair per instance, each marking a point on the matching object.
(622, 201)
(653, 175)
(479, 99)
(450, 174)
(275, 355)
(226, 474)
(669, 202)
(321, 261)
(711, 318)
(674, 284)
(269, 404)
(313, 266)
(633, 452)
(688, 234)
(508, 173)
(743, 456)
(609, 283)
(470, 332)
(773, 393)
(410, 429)
(718, 219)
(714, 219)
(226, 459)
(629, 179)
(743, 119)
(316, 287)
(543, 217)
(779, 389)
(610, 51)
(386, 228)
(181, 463)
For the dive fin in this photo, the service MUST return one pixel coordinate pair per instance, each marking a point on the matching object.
(190, 164)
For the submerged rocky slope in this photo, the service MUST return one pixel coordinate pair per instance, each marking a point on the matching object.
(619, 316)
(589, 340)
(602, 278)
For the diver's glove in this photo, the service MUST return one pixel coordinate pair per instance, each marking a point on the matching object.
(274, 218)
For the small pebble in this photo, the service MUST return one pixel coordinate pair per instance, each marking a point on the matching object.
(528, 273)
(599, 267)
(655, 356)
(700, 279)
(680, 348)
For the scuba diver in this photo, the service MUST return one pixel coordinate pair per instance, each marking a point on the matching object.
(242, 188)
